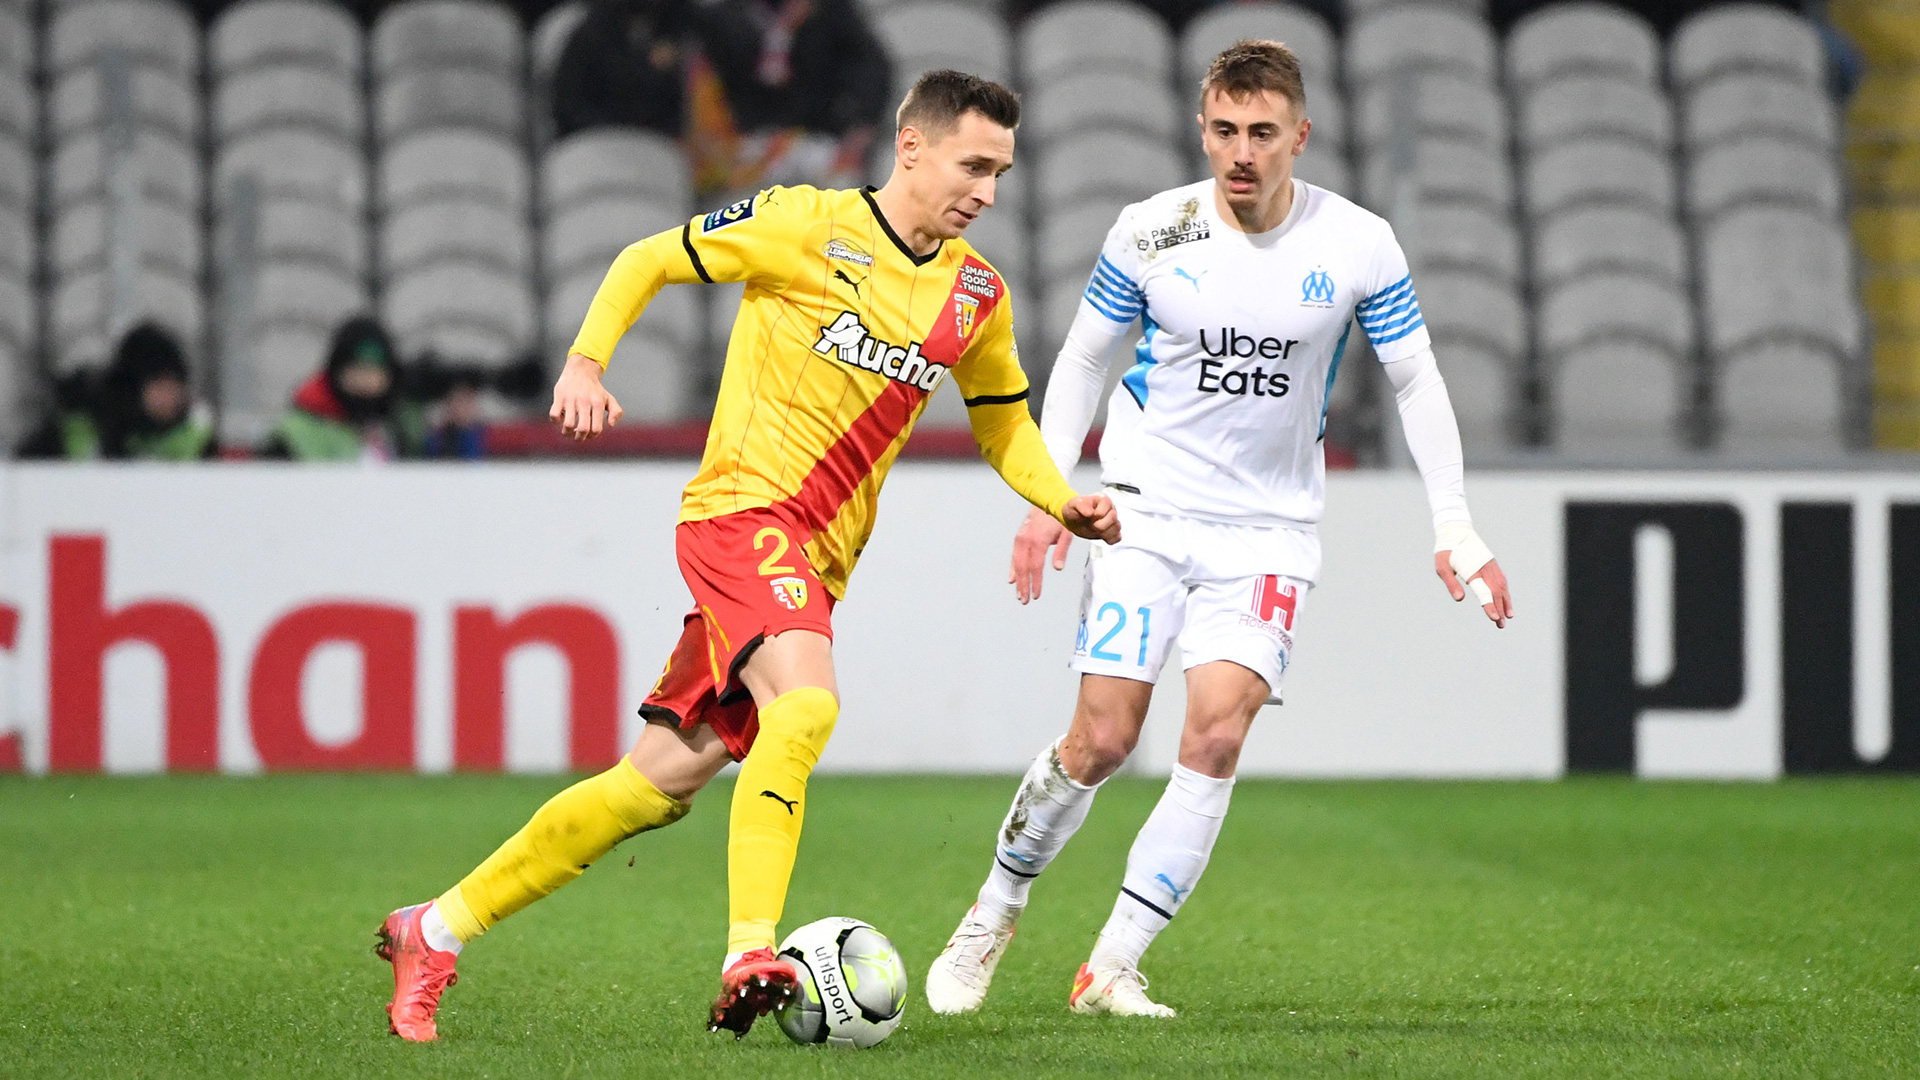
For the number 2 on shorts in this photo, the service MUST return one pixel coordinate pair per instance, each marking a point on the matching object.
(1120, 623)
(769, 566)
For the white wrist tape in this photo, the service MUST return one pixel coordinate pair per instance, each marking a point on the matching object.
(1466, 553)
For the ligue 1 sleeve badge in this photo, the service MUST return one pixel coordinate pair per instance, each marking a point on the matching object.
(790, 592)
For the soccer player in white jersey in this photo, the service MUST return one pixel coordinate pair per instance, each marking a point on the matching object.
(1248, 286)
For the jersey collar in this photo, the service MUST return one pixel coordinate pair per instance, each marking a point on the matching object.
(887, 227)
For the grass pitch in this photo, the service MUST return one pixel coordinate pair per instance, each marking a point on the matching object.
(209, 927)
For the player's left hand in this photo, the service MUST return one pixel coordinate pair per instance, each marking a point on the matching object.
(1499, 606)
(1091, 517)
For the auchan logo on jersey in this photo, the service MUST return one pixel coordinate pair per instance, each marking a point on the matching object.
(849, 338)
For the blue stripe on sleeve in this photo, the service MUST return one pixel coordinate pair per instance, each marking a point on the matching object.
(1106, 307)
(1387, 295)
(1416, 324)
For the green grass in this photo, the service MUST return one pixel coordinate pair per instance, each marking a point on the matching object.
(205, 927)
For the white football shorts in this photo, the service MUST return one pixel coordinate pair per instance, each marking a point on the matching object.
(1220, 590)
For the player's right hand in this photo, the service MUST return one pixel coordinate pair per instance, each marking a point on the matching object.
(581, 406)
(1037, 534)
(1092, 517)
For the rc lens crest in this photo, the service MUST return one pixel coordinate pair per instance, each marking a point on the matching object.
(790, 592)
(965, 307)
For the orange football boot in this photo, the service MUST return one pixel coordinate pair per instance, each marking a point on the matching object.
(757, 983)
(421, 973)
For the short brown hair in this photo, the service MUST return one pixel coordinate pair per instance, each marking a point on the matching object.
(940, 98)
(1250, 67)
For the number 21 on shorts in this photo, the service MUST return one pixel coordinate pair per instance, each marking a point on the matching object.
(1113, 633)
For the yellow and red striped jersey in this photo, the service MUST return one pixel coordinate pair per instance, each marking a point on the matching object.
(842, 336)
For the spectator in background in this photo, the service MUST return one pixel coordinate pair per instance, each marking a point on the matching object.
(139, 408)
(623, 67)
(352, 409)
(785, 92)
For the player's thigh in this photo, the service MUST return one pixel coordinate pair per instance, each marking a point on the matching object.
(679, 761)
(1132, 607)
(789, 661)
(1248, 621)
(1223, 697)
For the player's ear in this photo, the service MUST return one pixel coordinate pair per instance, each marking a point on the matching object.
(907, 144)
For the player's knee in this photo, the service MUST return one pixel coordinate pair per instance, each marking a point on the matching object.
(1214, 751)
(1104, 748)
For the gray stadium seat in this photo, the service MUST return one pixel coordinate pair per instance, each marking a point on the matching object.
(1593, 238)
(453, 163)
(165, 236)
(17, 242)
(315, 295)
(1484, 386)
(587, 236)
(550, 36)
(456, 230)
(1617, 398)
(17, 311)
(302, 230)
(1104, 164)
(612, 161)
(1326, 107)
(1588, 107)
(1782, 398)
(1443, 104)
(416, 34)
(1464, 236)
(16, 173)
(16, 39)
(1094, 100)
(1742, 105)
(1727, 174)
(924, 34)
(1323, 169)
(260, 375)
(80, 312)
(443, 97)
(295, 163)
(158, 33)
(1418, 37)
(288, 96)
(1598, 171)
(650, 374)
(464, 311)
(1746, 37)
(163, 100)
(1300, 29)
(17, 100)
(281, 33)
(169, 169)
(1778, 274)
(1615, 306)
(1581, 38)
(1445, 170)
(1473, 309)
(1092, 34)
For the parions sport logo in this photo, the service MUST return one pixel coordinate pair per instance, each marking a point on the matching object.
(849, 340)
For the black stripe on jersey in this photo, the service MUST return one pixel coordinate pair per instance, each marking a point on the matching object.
(1015, 873)
(995, 399)
(887, 227)
(686, 241)
(1163, 912)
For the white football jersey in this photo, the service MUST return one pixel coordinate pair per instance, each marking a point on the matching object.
(1222, 413)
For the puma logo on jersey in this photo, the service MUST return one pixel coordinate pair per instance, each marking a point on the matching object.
(842, 275)
(788, 803)
(849, 340)
(1181, 271)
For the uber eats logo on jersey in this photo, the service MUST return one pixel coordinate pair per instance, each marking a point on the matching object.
(854, 345)
(1234, 345)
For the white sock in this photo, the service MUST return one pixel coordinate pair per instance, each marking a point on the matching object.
(434, 929)
(1165, 864)
(1047, 810)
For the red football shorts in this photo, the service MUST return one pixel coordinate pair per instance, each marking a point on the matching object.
(750, 580)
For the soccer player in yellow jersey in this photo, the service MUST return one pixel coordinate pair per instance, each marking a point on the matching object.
(859, 304)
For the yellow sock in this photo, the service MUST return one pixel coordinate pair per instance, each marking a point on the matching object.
(769, 804)
(564, 837)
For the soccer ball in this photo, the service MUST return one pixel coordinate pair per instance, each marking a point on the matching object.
(853, 986)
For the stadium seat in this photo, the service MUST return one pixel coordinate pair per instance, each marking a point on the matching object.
(449, 97)
(1464, 236)
(453, 163)
(1070, 238)
(16, 173)
(611, 161)
(1763, 170)
(1772, 274)
(1617, 398)
(456, 230)
(17, 254)
(414, 35)
(1598, 171)
(1746, 37)
(162, 100)
(1473, 309)
(1615, 306)
(587, 236)
(292, 292)
(154, 33)
(1104, 163)
(286, 33)
(1443, 170)
(17, 101)
(1484, 386)
(1321, 168)
(651, 372)
(16, 38)
(1434, 103)
(1741, 105)
(80, 311)
(921, 35)
(544, 48)
(1111, 100)
(259, 374)
(17, 311)
(1419, 37)
(1781, 398)
(1602, 237)
(463, 311)
(299, 230)
(1094, 34)
(294, 163)
(1581, 38)
(1304, 31)
(169, 169)
(271, 96)
(1588, 107)
(165, 236)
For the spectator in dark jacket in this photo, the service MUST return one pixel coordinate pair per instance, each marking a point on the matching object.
(350, 410)
(139, 407)
(623, 67)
